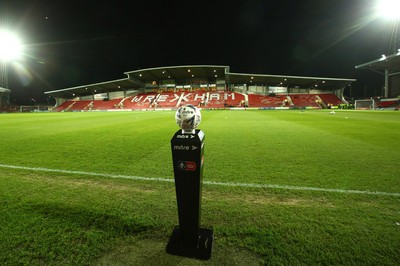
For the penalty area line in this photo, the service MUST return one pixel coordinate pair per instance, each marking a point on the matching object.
(213, 183)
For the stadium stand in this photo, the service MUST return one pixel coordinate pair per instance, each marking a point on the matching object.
(235, 101)
(203, 86)
(106, 104)
(81, 105)
(153, 100)
(65, 106)
(388, 103)
(203, 99)
(330, 99)
(268, 101)
(305, 100)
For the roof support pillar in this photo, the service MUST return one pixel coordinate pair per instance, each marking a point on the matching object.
(386, 91)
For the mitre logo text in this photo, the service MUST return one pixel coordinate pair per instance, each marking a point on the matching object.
(181, 147)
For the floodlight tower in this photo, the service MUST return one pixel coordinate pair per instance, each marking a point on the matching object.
(389, 11)
(10, 50)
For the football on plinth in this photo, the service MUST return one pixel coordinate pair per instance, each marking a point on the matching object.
(188, 117)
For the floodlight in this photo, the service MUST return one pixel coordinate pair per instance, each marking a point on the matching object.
(388, 9)
(10, 46)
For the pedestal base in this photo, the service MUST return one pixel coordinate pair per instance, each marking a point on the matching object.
(201, 251)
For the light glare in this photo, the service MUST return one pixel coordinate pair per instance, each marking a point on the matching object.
(10, 46)
(389, 9)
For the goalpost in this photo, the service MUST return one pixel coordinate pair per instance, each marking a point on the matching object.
(33, 108)
(364, 104)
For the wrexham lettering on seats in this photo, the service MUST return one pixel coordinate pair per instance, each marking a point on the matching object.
(183, 97)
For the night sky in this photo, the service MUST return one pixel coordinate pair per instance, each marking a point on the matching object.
(72, 43)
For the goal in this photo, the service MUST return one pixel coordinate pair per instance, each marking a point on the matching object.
(33, 108)
(365, 104)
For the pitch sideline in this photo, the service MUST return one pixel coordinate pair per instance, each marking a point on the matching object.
(230, 184)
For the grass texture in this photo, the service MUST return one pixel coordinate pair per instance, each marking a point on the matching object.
(67, 218)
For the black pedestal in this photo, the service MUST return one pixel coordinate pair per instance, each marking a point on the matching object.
(201, 250)
(188, 239)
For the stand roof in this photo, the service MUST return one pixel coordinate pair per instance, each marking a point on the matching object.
(185, 74)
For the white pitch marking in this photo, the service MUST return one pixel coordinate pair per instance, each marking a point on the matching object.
(227, 184)
(42, 169)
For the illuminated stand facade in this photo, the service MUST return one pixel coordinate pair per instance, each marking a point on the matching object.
(187, 145)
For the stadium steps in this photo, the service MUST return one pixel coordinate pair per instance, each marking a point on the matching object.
(62, 106)
(289, 100)
(89, 106)
(69, 107)
(321, 102)
(80, 105)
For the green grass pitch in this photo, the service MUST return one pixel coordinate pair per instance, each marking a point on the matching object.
(283, 187)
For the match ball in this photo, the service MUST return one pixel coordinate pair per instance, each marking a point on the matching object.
(188, 117)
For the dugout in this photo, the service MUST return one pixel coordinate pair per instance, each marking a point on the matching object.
(389, 67)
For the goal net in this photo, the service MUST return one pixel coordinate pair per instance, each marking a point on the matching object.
(33, 108)
(364, 104)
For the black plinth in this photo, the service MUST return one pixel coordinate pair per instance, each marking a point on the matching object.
(200, 250)
(188, 238)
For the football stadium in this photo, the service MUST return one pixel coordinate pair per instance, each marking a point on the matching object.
(211, 87)
(289, 170)
(290, 175)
